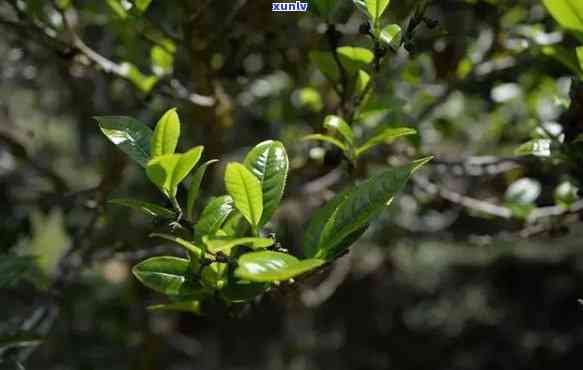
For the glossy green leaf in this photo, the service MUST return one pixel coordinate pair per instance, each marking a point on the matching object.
(352, 59)
(168, 171)
(190, 247)
(385, 137)
(389, 34)
(149, 209)
(235, 225)
(130, 135)
(190, 306)
(225, 244)
(142, 5)
(215, 275)
(328, 139)
(213, 216)
(569, 13)
(374, 9)
(194, 190)
(266, 266)
(168, 275)
(166, 134)
(245, 189)
(268, 162)
(352, 210)
(337, 123)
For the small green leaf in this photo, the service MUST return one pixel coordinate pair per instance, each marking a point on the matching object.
(235, 225)
(130, 135)
(569, 13)
(338, 124)
(389, 34)
(352, 59)
(117, 7)
(385, 137)
(213, 216)
(149, 209)
(225, 244)
(334, 11)
(167, 275)
(269, 164)
(162, 60)
(143, 82)
(168, 171)
(195, 187)
(183, 243)
(166, 134)
(349, 212)
(190, 306)
(215, 275)
(374, 9)
(142, 5)
(536, 147)
(245, 189)
(328, 139)
(267, 266)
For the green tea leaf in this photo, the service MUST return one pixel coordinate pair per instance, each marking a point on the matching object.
(130, 135)
(374, 9)
(328, 139)
(245, 189)
(167, 275)
(117, 7)
(352, 59)
(269, 163)
(168, 171)
(353, 209)
(235, 225)
(213, 216)
(569, 13)
(195, 187)
(266, 266)
(142, 5)
(385, 137)
(242, 290)
(225, 244)
(190, 247)
(338, 124)
(166, 134)
(190, 306)
(389, 34)
(149, 209)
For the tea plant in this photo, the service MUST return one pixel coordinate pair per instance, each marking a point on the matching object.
(229, 256)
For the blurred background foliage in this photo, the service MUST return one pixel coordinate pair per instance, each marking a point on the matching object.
(477, 265)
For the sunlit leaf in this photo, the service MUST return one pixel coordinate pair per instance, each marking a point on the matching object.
(166, 134)
(225, 244)
(245, 189)
(569, 13)
(390, 33)
(269, 164)
(213, 216)
(269, 266)
(130, 135)
(168, 171)
(328, 139)
(190, 247)
(338, 124)
(385, 137)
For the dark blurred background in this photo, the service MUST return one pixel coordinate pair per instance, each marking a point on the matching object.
(476, 265)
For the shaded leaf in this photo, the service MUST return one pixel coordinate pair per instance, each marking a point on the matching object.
(190, 306)
(195, 187)
(14, 268)
(242, 290)
(130, 135)
(20, 339)
(149, 209)
(269, 163)
(352, 210)
(328, 139)
(167, 275)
